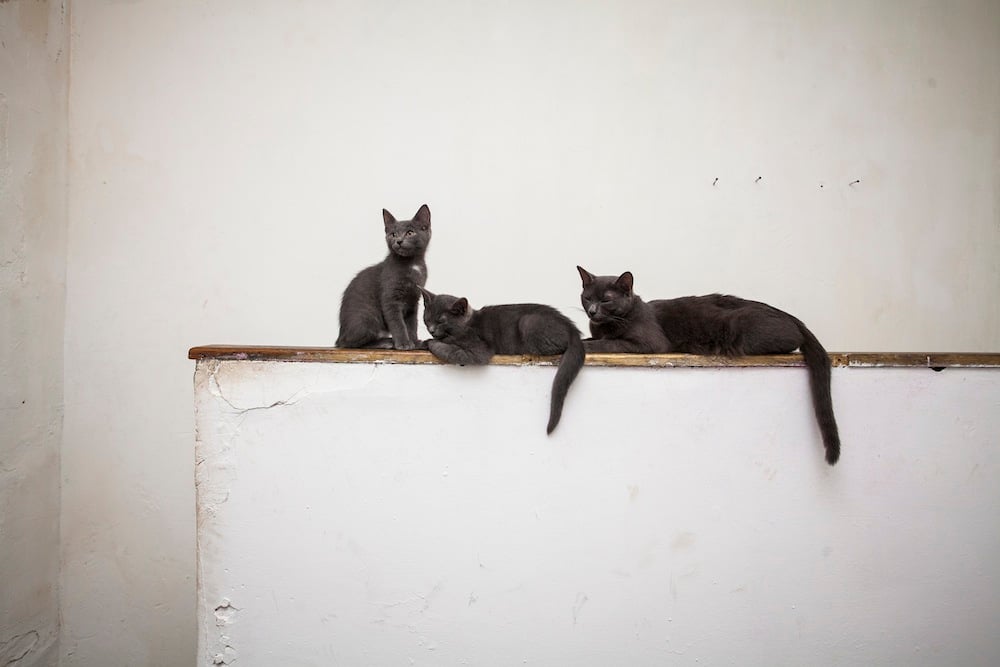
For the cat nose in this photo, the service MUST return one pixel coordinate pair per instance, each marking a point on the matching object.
(592, 310)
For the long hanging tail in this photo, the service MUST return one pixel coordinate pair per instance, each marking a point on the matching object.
(818, 363)
(569, 366)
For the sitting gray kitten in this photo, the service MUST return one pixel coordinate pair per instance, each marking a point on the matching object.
(379, 306)
(463, 335)
(620, 321)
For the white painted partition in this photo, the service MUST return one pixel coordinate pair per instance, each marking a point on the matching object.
(399, 514)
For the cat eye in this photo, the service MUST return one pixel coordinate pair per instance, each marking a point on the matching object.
(410, 232)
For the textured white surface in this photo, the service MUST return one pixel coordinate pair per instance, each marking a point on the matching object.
(363, 514)
(34, 58)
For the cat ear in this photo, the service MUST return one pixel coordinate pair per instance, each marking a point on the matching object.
(388, 219)
(428, 296)
(625, 281)
(585, 276)
(460, 306)
(423, 215)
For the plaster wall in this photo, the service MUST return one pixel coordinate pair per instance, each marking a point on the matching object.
(229, 159)
(34, 62)
(676, 516)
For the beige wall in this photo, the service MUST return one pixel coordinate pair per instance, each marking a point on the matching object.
(34, 62)
(229, 159)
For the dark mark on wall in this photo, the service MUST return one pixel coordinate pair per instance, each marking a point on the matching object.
(581, 599)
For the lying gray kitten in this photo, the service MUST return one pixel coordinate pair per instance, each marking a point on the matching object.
(463, 336)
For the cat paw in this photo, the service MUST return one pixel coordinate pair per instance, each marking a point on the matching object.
(404, 345)
(421, 345)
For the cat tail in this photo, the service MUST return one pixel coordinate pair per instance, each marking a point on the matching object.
(569, 366)
(818, 363)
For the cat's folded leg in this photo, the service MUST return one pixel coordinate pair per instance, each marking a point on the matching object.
(543, 335)
(364, 340)
(454, 354)
(769, 334)
(380, 344)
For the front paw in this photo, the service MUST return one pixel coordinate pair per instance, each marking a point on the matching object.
(403, 345)
(421, 345)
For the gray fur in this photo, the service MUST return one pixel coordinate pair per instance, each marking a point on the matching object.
(379, 306)
(711, 324)
(465, 336)
(620, 321)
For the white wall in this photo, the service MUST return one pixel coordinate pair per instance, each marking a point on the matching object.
(676, 516)
(229, 160)
(34, 63)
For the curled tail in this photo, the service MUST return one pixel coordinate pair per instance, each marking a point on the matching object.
(569, 366)
(818, 363)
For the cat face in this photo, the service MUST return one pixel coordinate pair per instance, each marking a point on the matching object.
(606, 298)
(407, 238)
(445, 315)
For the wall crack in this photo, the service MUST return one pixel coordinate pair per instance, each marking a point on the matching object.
(18, 647)
(216, 390)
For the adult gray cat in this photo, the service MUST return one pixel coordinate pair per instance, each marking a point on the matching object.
(620, 321)
(379, 306)
(463, 335)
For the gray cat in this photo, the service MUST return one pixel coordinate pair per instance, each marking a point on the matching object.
(379, 306)
(620, 321)
(463, 335)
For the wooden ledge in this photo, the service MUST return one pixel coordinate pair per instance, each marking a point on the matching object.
(847, 359)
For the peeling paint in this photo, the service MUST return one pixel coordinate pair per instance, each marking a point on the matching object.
(225, 613)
